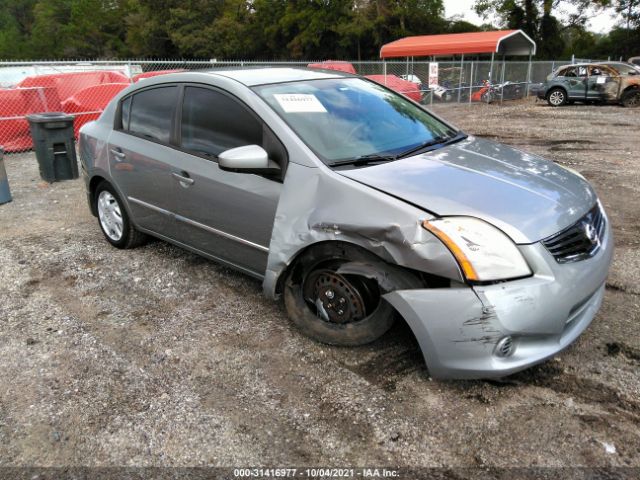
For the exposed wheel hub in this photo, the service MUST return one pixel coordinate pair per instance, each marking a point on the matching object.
(337, 300)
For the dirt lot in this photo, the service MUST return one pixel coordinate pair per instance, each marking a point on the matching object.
(158, 357)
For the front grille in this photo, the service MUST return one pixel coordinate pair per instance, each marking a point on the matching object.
(579, 241)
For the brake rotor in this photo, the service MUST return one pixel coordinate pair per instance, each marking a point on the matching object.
(337, 300)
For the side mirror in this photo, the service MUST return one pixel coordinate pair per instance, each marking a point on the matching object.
(248, 159)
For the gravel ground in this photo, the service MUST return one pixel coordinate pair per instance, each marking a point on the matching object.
(158, 357)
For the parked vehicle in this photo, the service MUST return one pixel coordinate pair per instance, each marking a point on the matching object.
(412, 78)
(609, 82)
(355, 204)
(338, 65)
(500, 91)
(634, 60)
(397, 84)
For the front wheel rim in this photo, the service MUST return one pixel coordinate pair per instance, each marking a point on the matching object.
(340, 299)
(110, 216)
(556, 98)
(633, 100)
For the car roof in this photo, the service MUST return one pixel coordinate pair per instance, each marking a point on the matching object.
(610, 63)
(265, 75)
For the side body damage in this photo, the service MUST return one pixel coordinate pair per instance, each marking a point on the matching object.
(317, 206)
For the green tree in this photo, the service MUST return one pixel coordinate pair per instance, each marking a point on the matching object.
(77, 28)
(536, 18)
(16, 22)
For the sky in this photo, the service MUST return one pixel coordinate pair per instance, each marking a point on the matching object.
(601, 23)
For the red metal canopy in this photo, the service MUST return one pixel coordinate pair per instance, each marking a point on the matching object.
(507, 42)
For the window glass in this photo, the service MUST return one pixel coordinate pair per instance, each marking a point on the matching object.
(626, 69)
(152, 111)
(596, 71)
(349, 117)
(126, 111)
(213, 122)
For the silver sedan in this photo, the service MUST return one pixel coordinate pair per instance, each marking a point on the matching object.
(357, 206)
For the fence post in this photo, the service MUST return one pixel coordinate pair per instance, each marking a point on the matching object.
(471, 82)
(460, 77)
(502, 79)
(491, 70)
(528, 74)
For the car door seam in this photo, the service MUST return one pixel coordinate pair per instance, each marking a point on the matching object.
(200, 225)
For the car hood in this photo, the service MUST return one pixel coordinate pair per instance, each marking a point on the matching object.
(526, 196)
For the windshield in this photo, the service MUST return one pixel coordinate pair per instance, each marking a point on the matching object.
(347, 118)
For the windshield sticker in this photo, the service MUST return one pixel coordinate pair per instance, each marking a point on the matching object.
(299, 103)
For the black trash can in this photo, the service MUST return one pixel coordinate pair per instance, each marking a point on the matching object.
(55, 148)
(5, 192)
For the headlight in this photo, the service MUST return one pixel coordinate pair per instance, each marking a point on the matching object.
(483, 252)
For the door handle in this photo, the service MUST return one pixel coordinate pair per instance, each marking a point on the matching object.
(187, 180)
(118, 154)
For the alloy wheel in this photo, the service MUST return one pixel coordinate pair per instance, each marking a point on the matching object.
(110, 216)
(556, 98)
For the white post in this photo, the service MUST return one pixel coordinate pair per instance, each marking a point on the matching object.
(502, 79)
(460, 77)
(529, 74)
(491, 70)
(471, 82)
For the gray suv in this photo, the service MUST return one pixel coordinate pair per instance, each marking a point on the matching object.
(609, 82)
(357, 206)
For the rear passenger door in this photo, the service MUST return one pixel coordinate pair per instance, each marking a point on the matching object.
(141, 159)
(227, 215)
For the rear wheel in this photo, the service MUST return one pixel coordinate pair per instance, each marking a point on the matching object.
(557, 97)
(631, 98)
(335, 308)
(114, 220)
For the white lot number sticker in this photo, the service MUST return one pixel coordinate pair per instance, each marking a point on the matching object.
(299, 103)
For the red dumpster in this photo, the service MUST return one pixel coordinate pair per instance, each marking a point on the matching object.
(406, 88)
(87, 104)
(15, 104)
(338, 65)
(141, 76)
(68, 84)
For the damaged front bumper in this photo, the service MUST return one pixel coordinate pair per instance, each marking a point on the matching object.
(460, 329)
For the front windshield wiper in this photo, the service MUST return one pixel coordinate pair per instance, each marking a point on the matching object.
(441, 140)
(365, 160)
(381, 157)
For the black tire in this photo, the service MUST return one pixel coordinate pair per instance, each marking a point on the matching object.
(130, 237)
(315, 267)
(556, 97)
(631, 98)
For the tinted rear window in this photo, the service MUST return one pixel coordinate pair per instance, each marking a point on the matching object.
(152, 113)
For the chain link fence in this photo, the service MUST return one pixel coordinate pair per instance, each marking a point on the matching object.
(83, 89)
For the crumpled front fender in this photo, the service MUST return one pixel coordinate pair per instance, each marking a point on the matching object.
(317, 205)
